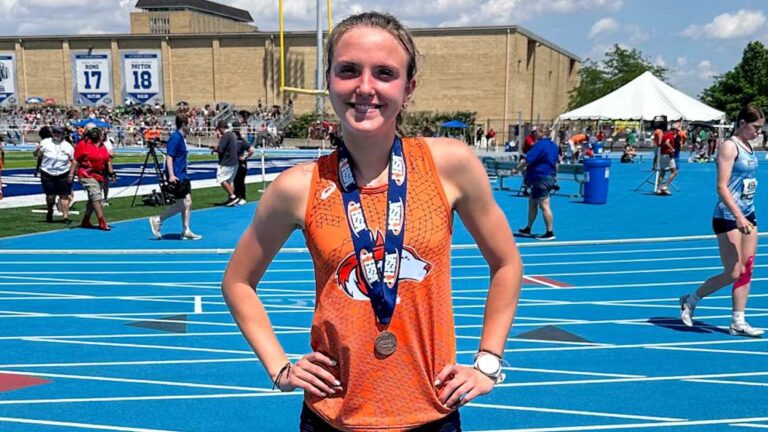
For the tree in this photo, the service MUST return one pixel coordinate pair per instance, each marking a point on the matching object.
(746, 84)
(619, 67)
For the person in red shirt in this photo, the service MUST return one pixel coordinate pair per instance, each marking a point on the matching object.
(92, 165)
(531, 139)
(600, 135)
(667, 160)
(491, 137)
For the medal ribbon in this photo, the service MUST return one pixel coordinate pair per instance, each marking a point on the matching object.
(381, 282)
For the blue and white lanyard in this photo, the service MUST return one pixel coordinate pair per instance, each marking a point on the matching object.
(380, 283)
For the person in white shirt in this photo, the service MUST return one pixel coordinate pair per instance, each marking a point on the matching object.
(57, 156)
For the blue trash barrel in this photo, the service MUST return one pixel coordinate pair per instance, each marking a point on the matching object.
(597, 172)
(597, 147)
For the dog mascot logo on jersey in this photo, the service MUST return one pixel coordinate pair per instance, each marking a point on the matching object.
(350, 277)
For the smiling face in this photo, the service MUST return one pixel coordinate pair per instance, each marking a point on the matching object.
(368, 81)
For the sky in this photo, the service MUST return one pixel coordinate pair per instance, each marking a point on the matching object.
(695, 39)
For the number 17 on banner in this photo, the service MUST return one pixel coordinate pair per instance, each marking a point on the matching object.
(92, 76)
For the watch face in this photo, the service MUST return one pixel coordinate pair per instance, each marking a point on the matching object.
(488, 364)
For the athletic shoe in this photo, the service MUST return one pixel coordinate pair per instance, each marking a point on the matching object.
(86, 224)
(154, 225)
(104, 227)
(189, 235)
(67, 222)
(744, 329)
(526, 232)
(548, 236)
(686, 311)
(241, 201)
(232, 201)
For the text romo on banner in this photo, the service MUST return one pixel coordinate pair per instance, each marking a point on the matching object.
(142, 76)
(92, 78)
(8, 94)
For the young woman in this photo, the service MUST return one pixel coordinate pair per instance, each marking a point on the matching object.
(734, 222)
(377, 218)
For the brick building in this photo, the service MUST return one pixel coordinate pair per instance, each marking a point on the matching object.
(503, 73)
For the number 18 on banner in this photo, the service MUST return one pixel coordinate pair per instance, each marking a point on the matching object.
(92, 78)
(142, 77)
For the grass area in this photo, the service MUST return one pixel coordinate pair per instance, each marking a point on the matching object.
(21, 220)
(25, 159)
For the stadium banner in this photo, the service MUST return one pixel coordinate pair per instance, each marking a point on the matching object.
(8, 94)
(92, 78)
(142, 77)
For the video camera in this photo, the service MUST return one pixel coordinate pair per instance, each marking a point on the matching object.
(156, 142)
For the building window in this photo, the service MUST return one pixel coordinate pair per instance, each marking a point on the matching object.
(160, 25)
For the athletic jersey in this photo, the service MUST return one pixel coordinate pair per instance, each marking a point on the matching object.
(579, 138)
(395, 392)
(742, 185)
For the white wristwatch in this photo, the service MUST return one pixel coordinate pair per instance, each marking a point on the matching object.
(489, 364)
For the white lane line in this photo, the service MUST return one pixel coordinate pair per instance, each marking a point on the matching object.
(631, 346)
(293, 261)
(752, 425)
(743, 383)
(631, 425)
(124, 345)
(124, 314)
(38, 293)
(122, 272)
(137, 381)
(554, 342)
(590, 263)
(128, 363)
(78, 425)
(573, 412)
(627, 380)
(150, 398)
(122, 336)
(571, 372)
(711, 350)
(541, 282)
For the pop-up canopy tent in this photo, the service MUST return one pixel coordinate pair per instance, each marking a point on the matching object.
(454, 124)
(645, 98)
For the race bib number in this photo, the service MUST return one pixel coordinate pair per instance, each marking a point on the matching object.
(749, 188)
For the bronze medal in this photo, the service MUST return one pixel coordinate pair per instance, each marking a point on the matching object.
(386, 343)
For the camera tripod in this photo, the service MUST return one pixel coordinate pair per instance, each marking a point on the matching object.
(162, 182)
(654, 178)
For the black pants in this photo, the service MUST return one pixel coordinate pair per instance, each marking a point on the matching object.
(242, 171)
(311, 422)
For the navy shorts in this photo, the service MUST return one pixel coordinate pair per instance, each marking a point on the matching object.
(311, 422)
(720, 226)
(55, 185)
(541, 189)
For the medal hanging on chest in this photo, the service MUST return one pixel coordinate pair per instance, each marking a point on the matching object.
(379, 276)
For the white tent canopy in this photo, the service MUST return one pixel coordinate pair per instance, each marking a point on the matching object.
(644, 98)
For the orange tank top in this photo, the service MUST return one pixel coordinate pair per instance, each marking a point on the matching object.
(395, 392)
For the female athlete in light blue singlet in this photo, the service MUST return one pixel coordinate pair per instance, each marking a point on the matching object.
(734, 222)
(742, 185)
